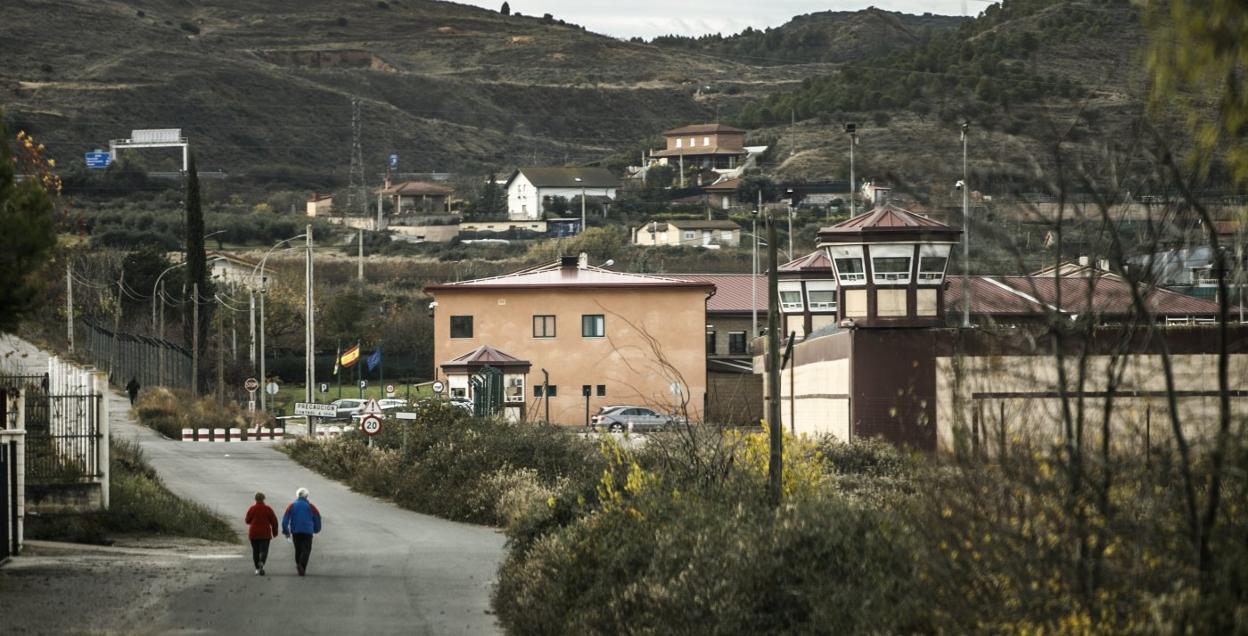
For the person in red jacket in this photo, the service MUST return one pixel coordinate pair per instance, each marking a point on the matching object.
(261, 528)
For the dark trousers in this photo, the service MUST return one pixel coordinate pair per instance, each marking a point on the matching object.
(303, 549)
(259, 552)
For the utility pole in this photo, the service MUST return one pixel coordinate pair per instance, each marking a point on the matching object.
(754, 274)
(163, 352)
(360, 275)
(112, 354)
(310, 335)
(966, 233)
(195, 339)
(546, 393)
(264, 381)
(582, 205)
(220, 359)
(69, 305)
(251, 324)
(775, 466)
(851, 130)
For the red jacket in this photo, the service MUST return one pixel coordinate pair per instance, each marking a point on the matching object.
(261, 522)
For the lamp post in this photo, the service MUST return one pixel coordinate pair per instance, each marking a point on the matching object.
(259, 270)
(578, 180)
(966, 234)
(851, 129)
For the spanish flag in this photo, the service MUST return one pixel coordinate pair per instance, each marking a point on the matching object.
(350, 356)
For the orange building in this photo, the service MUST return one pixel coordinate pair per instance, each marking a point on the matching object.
(566, 330)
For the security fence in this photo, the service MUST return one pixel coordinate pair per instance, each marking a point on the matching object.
(150, 361)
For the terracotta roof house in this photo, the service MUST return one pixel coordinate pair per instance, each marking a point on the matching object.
(530, 187)
(602, 338)
(703, 145)
(408, 197)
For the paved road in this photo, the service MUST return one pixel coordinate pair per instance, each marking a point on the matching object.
(375, 568)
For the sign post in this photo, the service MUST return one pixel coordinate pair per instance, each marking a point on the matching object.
(370, 420)
(97, 160)
(251, 384)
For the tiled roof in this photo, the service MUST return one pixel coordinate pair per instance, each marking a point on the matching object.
(558, 177)
(732, 291)
(887, 216)
(727, 185)
(700, 150)
(698, 129)
(816, 261)
(556, 275)
(485, 354)
(417, 188)
(1104, 296)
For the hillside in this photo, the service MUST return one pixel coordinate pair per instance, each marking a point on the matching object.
(827, 36)
(265, 88)
(264, 91)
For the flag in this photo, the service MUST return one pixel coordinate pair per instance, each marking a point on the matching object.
(350, 356)
(337, 359)
(374, 359)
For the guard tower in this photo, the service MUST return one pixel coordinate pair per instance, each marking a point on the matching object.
(890, 267)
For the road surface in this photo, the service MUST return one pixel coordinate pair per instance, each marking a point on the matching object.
(375, 568)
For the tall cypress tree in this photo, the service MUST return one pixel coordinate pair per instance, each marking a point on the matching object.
(196, 266)
(26, 244)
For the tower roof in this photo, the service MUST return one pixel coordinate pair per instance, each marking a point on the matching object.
(887, 222)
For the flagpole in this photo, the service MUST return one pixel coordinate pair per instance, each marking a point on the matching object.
(358, 364)
(381, 369)
(338, 368)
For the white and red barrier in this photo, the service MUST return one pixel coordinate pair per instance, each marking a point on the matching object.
(232, 435)
(326, 432)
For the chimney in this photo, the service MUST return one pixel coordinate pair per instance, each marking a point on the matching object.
(1103, 264)
(1084, 261)
(582, 261)
(568, 262)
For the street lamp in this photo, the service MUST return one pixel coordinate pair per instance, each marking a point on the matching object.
(966, 233)
(851, 129)
(259, 269)
(578, 180)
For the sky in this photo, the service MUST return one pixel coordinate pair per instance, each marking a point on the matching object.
(648, 18)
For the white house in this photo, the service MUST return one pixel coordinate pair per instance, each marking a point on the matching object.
(529, 187)
(689, 232)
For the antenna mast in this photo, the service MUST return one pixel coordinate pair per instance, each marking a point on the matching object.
(356, 197)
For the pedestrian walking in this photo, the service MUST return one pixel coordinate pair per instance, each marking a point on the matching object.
(300, 521)
(261, 528)
(132, 387)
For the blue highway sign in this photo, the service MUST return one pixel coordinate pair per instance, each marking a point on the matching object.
(98, 160)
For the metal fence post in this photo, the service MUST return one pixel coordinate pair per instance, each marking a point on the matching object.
(101, 390)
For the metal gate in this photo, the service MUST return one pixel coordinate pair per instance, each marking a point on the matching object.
(487, 392)
(62, 432)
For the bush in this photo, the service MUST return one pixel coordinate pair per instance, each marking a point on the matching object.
(168, 412)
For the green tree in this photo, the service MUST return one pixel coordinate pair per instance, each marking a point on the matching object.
(28, 237)
(748, 189)
(196, 264)
(505, 9)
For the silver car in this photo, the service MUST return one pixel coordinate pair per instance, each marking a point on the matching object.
(638, 419)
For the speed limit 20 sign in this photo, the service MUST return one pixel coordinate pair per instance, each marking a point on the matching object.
(370, 424)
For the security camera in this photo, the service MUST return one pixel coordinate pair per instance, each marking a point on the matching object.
(958, 186)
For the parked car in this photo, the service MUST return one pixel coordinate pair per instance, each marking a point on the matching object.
(638, 419)
(462, 403)
(347, 407)
(387, 404)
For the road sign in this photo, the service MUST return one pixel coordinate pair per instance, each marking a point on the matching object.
(389, 390)
(394, 161)
(315, 410)
(371, 407)
(98, 160)
(438, 387)
(324, 388)
(405, 415)
(271, 388)
(370, 424)
(363, 384)
(251, 384)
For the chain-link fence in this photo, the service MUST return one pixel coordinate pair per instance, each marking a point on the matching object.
(150, 361)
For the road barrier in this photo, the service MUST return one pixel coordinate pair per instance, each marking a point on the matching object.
(232, 435)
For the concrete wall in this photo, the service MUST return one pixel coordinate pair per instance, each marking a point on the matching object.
(428, 233)
(625, 361)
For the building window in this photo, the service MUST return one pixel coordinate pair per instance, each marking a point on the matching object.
(710, 343)
(891, 268)
(461, 326)
(692, 142)
(850, 270)
(593, 326)
(736, 343)
(690, 236)
(932, 268)
(706, 141)
(550, 390)
(680, 143)
(791, 300)
(543, 326)
(602, 390)
(822, 300)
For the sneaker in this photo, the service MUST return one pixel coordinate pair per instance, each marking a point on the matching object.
(301, 570)
(260, 571)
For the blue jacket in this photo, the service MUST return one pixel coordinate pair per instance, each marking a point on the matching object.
(301, 517)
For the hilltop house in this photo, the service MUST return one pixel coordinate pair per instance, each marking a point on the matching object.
(319, 204)
(704, 146)
(690, 232)
(603, 338)
(530, 187)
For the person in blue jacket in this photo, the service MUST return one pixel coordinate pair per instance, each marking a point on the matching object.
(299, 523)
